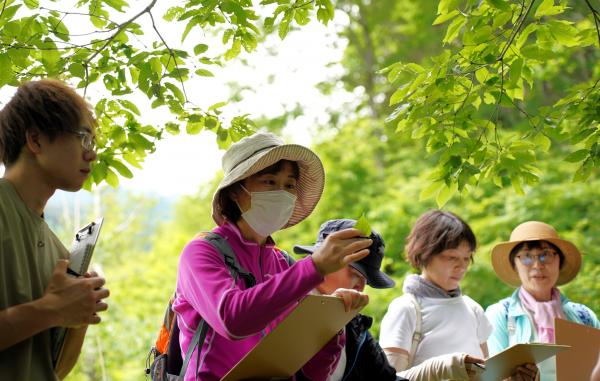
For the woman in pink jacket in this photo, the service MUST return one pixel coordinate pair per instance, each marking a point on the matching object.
(267, 186)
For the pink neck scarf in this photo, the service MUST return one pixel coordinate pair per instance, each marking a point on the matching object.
(543, 313)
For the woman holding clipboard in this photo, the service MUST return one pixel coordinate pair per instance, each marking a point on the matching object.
(267, 186)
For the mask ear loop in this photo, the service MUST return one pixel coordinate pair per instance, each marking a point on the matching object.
(236, 201)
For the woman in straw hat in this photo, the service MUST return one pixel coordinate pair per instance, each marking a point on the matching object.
(535, 260)
(267, 186)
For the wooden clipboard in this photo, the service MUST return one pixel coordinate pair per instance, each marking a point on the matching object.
(578, 362)
(294, 341)
(502, 364)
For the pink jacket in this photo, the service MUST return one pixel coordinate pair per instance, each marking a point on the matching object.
(240, 317)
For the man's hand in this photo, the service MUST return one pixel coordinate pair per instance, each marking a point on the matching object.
(74, 301)
(339, 250)
(352, 299)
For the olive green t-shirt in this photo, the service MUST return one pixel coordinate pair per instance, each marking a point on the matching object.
(28, 253)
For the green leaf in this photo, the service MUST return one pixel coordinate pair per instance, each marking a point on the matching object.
(363, 225)
(77, 70)
(515, 71)
(564, 32)
(217, 106)
(32, 4)
(6, 74)
(577, 156)
(121, 168)
(204, 73)
(499, 4)
(431, 190)
(547, 8)
(445, 194)
(130, 106)
(111, 178)
(176, 91)
(542, 141)
(445, 17)
(200, 48)
(454, 29)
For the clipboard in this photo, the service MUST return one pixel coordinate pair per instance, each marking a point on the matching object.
(502, 364)
(281, 353)
(83, 246)
(585, 344)
(82, 249)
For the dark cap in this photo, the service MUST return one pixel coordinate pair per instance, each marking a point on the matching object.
(368, 266)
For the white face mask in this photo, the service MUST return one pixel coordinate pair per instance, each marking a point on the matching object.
(269, 211)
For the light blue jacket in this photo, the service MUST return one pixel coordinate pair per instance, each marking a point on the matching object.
(513, 325)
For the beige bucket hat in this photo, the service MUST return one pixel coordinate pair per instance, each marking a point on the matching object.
(259, 151)
(535, 231)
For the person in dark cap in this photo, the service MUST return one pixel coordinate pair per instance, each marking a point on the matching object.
(362, 357)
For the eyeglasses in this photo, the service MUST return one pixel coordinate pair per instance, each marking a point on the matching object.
(458, 261)
(88, 140)
(546, 257)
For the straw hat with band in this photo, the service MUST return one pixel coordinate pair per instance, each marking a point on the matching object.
(259, 151)
(534, 231)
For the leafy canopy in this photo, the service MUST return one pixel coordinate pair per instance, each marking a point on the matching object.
(496, 97)
(131, 59)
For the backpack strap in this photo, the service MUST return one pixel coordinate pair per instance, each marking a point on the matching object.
(418, 334)
(288, 258)
(230, 258)
(236, 271)
(511, 324)
(198, 338)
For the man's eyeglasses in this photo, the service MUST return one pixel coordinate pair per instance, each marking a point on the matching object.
(88, 140)
(546, 257)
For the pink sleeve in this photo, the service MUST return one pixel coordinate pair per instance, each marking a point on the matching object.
(322, 365)
(205, 282)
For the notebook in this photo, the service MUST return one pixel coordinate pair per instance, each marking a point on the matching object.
(578, 362)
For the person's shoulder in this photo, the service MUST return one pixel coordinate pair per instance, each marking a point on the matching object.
(402, 305)
(584, 313)
(472, 304)
(498, 309)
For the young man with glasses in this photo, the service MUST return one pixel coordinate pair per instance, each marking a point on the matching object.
(46, 143)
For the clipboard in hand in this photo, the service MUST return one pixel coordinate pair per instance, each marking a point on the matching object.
(502, 364)
(83, 247)
(281, 353)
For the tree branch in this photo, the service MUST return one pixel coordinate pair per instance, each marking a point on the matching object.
(3, 8)
(171, 53)
(596, 19)
(516, 31)
(120, 28)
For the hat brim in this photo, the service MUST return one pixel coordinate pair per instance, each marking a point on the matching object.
(300, 249)
(375, 278)
(309, 186)
(506, 273)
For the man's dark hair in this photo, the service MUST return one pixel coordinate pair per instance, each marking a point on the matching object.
(49, 106)
(229, 208)
(434, 232)
(534, 245)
